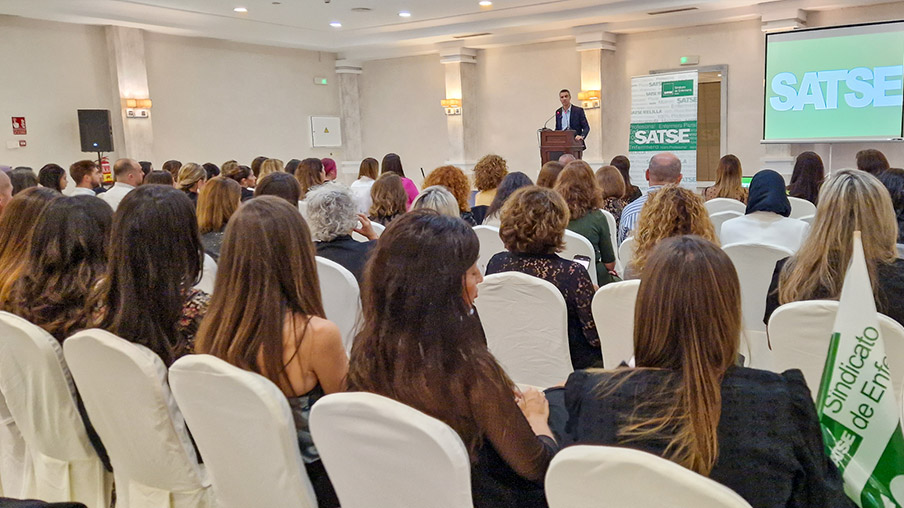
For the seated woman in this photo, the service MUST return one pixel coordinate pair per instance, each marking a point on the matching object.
(454, 179)
(267, 317)
(423, 345)
(612, 187)
(807, 177)
(623, 165)
(848, 201)
(66, 258)
(578, 186)
(671, 211)
(192, 178)
(217, 201)
(533, 229)
(438, 198)
(728, 181)
(243, 176)
(893, 180)
(147, 294)
(392, 163)
(488, 174)
(388, 199)
(367, 175)
(17, 224)
(333, 217)
(511, 183)
(53, 177)
(549, 173)
(753, 431)
(281, 185)
(767, 220)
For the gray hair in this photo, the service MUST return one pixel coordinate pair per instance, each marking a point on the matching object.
(437, 197)
(331, 212)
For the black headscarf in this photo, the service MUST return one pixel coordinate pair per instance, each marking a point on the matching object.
(768, 194)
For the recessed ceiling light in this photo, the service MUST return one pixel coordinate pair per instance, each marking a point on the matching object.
(361, 9)
(485, 3)
(240, 9)
(335, 24)
(404, 14)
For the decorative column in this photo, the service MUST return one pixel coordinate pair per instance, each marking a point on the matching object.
(461, 83)
(597, 53)
(125, 48)
(348, 73)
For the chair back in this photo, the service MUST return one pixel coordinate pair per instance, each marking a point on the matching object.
(799, 333)
(341, 298)
(124, 389)
(15, 462)
(613, 239)
(208, 275)
(41, 398)
(626, 251)
(375, 450)
(801, 208)
(586, 476)
(526, 324)
(577, 245)
(808, 219)
(243, 427)
(755, 263)
(719, 217)
(490, 244)
(717, 205)
(378, 230)
(613, 304)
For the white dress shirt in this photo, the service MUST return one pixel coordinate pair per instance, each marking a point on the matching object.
(114, 196)
(80, 191)
(361, 193)
(765, 227)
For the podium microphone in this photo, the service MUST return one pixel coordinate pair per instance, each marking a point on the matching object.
(546, 122)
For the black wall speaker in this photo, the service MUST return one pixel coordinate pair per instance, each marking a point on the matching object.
(95, 130)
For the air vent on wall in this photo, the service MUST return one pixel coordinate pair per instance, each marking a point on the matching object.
(672, 11)
(468, 36)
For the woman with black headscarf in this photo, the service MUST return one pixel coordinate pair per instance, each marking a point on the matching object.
(767, 218)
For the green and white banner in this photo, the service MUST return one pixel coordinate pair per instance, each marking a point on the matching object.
(857, 407)
(664, 119)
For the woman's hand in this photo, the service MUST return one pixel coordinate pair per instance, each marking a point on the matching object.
(535, 407)
(366, 230)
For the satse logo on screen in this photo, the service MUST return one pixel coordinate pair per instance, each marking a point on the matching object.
(868, 87)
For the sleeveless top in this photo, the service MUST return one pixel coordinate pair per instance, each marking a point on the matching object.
(301, 413)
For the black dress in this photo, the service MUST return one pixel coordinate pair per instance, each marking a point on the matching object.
(770, 445)
(573, 281)
(349, 253)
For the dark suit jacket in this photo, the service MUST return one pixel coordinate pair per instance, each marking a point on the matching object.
(349, 253)
(578, 122)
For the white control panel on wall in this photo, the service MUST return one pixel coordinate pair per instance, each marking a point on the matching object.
(325, 131)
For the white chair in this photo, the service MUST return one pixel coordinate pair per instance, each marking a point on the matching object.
(613, 313)
(490, 244)
(606, 476)
(755, 264)
(613, 238)
(801, 208)
(526, 324)
(244, 429)
(719, 217)
(626, 252)
(382, 453)
(717, 205)
(208, 275)
(578, 245)
(41, 398)
(341, 298)
(124, 388)
(15, 462)
(799, 334)
(378, 230)
(808, 219)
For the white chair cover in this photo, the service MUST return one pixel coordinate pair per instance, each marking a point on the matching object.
(15, 462)
(341, 298)
(755, 264)
(719, 217)
(717, 205)
(576, 245)
(626, 252)
(607, 476)
(124, 389)
(613, 305)
(380, 453)
(378, 230)
(801, 208)
(243, 427)
(490, 244)
(799, 334)
(808, 219)
(526, 324)
(40, 396)
(208, 275)
(613, 238)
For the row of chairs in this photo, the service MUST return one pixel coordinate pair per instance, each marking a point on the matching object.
(800, 208)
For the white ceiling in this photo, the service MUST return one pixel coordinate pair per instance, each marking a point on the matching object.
(381, 33)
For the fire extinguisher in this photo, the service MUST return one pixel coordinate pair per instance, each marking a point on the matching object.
(105, 170)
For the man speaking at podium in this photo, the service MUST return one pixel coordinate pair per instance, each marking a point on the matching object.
(571, 117)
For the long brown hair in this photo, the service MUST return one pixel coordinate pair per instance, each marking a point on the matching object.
(309, 174)
(416, 324)
(687, 322)
(17, 223)
(370, 168)
(611, 182)
(266, 273)
(217, 201)
(728, 179)
(388, 195)
(578, 186)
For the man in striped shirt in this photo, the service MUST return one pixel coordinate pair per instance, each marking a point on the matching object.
(664, 169)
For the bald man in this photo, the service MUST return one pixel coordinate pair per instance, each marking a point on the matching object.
(6, 189)
(664, 168)
(128, 175)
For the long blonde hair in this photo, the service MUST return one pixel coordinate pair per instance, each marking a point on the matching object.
(848, 201)
(217, 201)
(670, 211)
(190, 174)
(728, 179)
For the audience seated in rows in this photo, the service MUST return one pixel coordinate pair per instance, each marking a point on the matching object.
(392, 163)
(577, 185)
(511, 183)
(273, 166)
(664, 169)
(728, 181)
(218, 200)
(388, 199)
(148, 166)
(454, 179)
(893, 180)
(291, 166)
(309, 174)
(767, 217)
(157, 177)
(192, 179)
(86, 177)
(267, 316)
(22, 178)
(438, 198)
(488, 174)
(807, 177)
(849, 201)
(17, 223)
(549, 173)
(332, 218)
(612, 189)
(671, 211)
(687, 400)
(211, 169)
(53, 177)
(533, 230)
(172, 167)
(368, 171)
(422, 344)
(128, 176)
(244, 177)
(872, 161)
(623, 164)
(330, 171)
(6, 190)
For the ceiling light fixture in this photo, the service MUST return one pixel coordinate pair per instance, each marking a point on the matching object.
(335, 24)
(404, 14)
(240, 9)
(485, 3)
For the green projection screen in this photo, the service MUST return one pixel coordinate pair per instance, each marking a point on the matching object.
(835, 84)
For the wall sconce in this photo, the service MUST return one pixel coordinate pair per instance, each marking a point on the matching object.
(452, 106)
(138, 108)
(590, 99)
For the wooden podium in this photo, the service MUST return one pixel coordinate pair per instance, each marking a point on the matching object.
(554, 144)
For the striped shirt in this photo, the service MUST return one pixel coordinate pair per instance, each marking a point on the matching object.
(631, 213)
